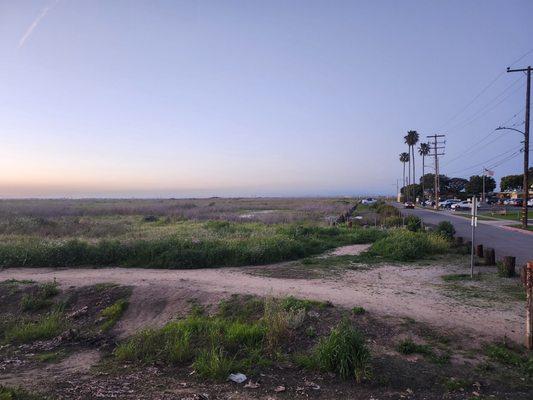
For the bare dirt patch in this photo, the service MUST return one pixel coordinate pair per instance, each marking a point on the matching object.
(412, 291)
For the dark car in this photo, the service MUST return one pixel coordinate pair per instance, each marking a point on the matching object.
(408, 204)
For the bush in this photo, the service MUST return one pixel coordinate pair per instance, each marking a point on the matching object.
(413, 223)
(446, 229)
(344, 352)
(393, 222)
(386, 210)
(404, 245)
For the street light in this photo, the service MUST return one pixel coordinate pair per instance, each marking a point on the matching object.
(510, 129)
(525, 183)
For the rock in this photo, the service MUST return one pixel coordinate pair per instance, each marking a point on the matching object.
(279, 389)
(252, 385)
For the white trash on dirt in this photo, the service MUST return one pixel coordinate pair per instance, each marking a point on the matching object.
(237, 378)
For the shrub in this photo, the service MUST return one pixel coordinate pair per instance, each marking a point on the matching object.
(405, 245)
(344, 352)
(393, 221)
(446, 229)
(386, 210)
(413, 223)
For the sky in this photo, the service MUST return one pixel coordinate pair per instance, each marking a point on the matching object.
(253, 98)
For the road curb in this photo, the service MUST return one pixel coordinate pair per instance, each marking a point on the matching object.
(516, 229)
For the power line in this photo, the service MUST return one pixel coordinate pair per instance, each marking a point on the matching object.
(486, 162)
(485, 109)
(473, 148)
(477, 96)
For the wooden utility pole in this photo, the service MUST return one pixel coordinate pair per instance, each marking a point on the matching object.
(529, 305)
(438, 145)
(526, 142)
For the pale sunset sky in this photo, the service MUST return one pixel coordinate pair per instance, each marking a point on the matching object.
(249, 98)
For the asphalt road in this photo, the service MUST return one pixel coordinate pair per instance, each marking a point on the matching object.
(506, 242)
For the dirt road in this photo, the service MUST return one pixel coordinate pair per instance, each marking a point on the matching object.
(400, 291)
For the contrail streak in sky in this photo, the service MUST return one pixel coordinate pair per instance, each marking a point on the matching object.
(36, 22)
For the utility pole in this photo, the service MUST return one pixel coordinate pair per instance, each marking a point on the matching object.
(474, 225)
(438, 146)
(526, 142)
(483, 193)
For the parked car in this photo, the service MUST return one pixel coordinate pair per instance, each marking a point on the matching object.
(448, 203)
(369, 201)
(462, 205)
(515, 202)
(409, 204)
(530, 203)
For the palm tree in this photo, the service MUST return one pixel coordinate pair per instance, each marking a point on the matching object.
(424, 150)
(404, 157)
(411, 139)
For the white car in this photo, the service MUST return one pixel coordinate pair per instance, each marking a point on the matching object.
(369, 201)
(462, 204)
(448, 203)
(530, 203)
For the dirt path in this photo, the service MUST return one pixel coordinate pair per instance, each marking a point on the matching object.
(400, 291)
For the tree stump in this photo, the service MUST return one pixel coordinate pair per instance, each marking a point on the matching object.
(508, 266)
(479, 250)
(490, 256)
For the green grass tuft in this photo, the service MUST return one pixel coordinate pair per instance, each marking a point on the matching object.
(344, 352)
(41, 299)
(113, 313)
(358, 311)
(45, 327)
(7, 393)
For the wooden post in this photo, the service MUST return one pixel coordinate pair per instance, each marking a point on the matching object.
(529, 305)
(490, 256)
(479, 250)
(509, 264)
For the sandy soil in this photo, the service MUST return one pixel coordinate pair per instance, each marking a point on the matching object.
(399, 291)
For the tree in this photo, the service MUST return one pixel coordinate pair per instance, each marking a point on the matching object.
(411, 139)
(423, 150)
(428, 181)
(404, 157)
(413, 189)
(457, 185)
(515, 182)
(475, 185)
(511, 182)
